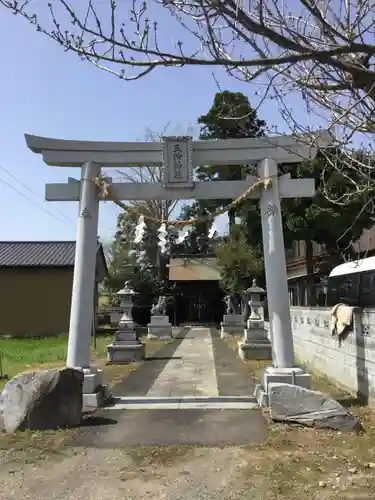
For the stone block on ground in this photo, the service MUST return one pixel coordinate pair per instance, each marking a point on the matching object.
(124, 353)
(291, 403)
(47, 399)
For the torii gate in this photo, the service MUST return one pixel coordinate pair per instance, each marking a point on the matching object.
(180, 155)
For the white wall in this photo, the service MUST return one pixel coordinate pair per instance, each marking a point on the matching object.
(351, 365)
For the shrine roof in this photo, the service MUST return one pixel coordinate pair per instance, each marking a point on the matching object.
(194, 269)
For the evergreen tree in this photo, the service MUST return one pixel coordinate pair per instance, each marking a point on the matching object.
(318, 220)
(230, 117)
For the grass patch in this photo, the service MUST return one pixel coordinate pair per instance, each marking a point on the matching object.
(321, 464)
(29, 354)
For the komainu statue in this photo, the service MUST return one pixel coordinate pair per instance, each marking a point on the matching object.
(160, 308)
(229, 304)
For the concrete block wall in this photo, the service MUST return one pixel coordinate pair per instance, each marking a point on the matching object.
(351, 365)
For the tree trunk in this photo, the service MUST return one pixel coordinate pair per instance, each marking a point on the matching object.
(231, 219)
(311, 291)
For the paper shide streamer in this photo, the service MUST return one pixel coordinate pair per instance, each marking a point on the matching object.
(163, 233)
(212, 231)
(183, 234)
(140, 230)
(162, 236)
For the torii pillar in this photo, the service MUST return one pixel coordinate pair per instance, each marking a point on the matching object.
(284, 369)
(82, 305)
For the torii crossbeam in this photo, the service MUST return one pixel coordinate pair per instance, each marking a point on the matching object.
(216, 190)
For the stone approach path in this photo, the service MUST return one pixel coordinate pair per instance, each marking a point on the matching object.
(194, 391)
(191, 371)
(190, 378)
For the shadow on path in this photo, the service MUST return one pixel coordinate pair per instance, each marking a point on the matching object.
(232, 376)
(155, 358)
(140, 381)
(194, 427)
(97, 420)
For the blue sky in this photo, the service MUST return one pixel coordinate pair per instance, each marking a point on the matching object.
(47, 92)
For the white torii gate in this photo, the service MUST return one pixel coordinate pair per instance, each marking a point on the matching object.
(179, 156)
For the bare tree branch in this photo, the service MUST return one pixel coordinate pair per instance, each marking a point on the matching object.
(318, 52)
(327, 45)
(157, 209)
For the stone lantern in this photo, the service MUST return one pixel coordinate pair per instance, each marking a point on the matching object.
(126, 295)
(126, 347)
(255, 344)
(255, 294)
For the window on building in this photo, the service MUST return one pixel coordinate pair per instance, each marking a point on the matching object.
(300, 249)
(295, 251)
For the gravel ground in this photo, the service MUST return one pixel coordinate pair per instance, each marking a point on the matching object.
(139, 473)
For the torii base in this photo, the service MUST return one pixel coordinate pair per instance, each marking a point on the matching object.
(293, 376)
(95, 394)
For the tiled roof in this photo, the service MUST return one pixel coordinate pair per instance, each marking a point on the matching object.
(194, 269)
(37, 253)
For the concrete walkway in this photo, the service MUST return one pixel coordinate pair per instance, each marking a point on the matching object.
(194, 391)
(200, 372)
(191, 371)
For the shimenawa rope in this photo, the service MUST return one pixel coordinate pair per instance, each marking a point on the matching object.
(106, 193)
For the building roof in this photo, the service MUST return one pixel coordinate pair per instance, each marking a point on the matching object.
(38, 253)
(356, 266)
(194, 269)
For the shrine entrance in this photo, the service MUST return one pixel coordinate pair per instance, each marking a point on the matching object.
(200, 298)
(202, 303)
(197, 310)
(179, 156)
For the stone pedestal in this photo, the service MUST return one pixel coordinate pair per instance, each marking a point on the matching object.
(255, 344)
(126, 347)
(231, 324)
(159, 328)
(294, 376)
(95, 394)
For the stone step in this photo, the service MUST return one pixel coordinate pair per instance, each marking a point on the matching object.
(184, 403)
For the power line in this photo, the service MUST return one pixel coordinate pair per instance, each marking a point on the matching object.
(35, 194)
(32, 201)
